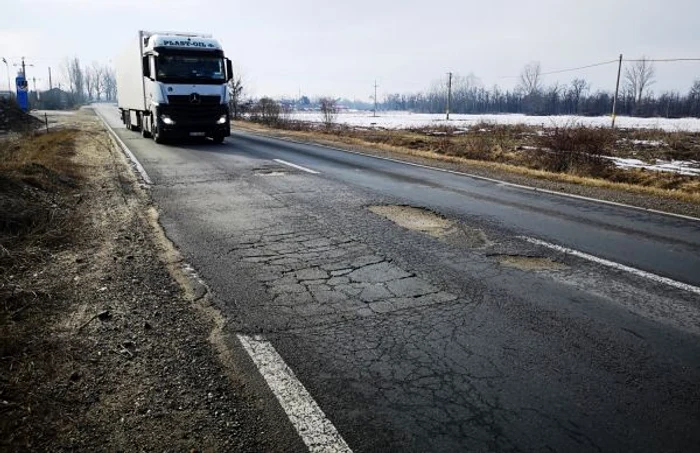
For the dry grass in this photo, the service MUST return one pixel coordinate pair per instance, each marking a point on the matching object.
(37, 219)
(36, 172)
(499, 148)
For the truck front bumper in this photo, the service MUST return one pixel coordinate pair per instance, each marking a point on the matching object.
(193, 120)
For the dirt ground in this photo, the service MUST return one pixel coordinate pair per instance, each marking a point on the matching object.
(106, 344)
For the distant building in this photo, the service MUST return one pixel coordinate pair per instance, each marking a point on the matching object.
(6, 94)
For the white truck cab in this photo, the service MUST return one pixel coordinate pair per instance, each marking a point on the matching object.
(172, 85)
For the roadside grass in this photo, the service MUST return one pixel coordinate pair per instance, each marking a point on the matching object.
(570, 154)
(37, 218)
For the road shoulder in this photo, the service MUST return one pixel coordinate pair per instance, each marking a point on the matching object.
(115, 343)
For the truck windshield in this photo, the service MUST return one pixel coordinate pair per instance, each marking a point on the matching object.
(198, 69)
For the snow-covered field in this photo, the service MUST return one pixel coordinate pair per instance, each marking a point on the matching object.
(683, 167)
(404, 120)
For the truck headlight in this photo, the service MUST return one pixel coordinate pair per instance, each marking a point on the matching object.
(222, 120)
(167, 120)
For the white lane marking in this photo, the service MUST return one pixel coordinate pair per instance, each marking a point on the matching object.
(614, 265)
(317, 432)
(298, 167)
(127, 151)
(485, 178)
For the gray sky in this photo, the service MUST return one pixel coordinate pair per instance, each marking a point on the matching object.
(339, 48)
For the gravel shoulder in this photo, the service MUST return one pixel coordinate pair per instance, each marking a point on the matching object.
(645, 201)
(120, 347)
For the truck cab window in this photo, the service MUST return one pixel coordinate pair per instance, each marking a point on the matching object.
(195, 69)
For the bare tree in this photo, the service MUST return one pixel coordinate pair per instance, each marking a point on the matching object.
(235, 88)
(694, 98)
(109, 83)
(76, 79)
(531, 78)
(639, 77)
(89, 86)
(329, 110)
(97, 76)
(267, 111)
(577, 90)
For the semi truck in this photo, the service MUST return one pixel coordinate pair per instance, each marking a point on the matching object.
(173, 85)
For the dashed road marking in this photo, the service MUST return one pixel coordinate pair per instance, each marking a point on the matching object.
(614, 265)
(298, 167)
(317, 432)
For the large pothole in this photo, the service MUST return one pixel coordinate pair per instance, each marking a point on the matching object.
(432, 224)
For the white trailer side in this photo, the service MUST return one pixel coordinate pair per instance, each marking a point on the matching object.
(130, 85)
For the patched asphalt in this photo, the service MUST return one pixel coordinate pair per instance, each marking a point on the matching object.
(413, 343)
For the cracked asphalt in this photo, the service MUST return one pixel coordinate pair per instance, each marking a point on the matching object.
(411, 342)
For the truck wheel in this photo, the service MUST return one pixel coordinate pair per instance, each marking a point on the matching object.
(218, 138)
(146, 131)
(157, 136)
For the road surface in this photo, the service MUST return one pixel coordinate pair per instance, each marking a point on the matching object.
(533, 322)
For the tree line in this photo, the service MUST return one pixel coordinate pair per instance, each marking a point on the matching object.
(531, 96)
(88, 83)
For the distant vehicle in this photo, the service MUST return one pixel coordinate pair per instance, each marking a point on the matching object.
(174, 85)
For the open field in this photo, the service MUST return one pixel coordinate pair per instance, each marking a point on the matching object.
(408, 120)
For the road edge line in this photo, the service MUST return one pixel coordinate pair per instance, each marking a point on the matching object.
(486, 178)
(125, 149)
(312, 425)
(614, 265)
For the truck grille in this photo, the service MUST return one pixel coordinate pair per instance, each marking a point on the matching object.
(194, 114)
(186, 99)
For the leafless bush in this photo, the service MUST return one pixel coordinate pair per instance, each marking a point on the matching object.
(576, 149)
(329, 110)
(266, 111)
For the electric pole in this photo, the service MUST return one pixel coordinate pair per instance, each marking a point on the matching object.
(7, 66)
(375, 98)
(449, 93)
(24, 68)
(617, 89)
(50, 83)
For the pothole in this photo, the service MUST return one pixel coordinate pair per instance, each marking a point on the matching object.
(432, 224)
(269, 171)
(530, 263)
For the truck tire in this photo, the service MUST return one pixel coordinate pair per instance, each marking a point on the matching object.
(218, 138)
(146, 130)
(157, 136)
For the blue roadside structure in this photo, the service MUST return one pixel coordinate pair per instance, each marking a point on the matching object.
(22, 92)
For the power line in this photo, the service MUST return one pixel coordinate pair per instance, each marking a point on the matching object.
(662, 60)
(602, 63)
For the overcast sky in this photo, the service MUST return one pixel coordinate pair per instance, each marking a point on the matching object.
(319, 47)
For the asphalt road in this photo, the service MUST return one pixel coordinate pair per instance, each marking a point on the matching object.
(409, 342)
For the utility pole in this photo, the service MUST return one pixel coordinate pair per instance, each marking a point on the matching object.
(449, 93)
(375, 97)
(24, 68)
(617, 89)
(50, 83)
(7, 66)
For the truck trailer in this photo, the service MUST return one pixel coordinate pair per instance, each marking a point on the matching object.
(174, 85)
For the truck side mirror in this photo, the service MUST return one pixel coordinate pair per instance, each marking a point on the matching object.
(146, 67)
(229, 70)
